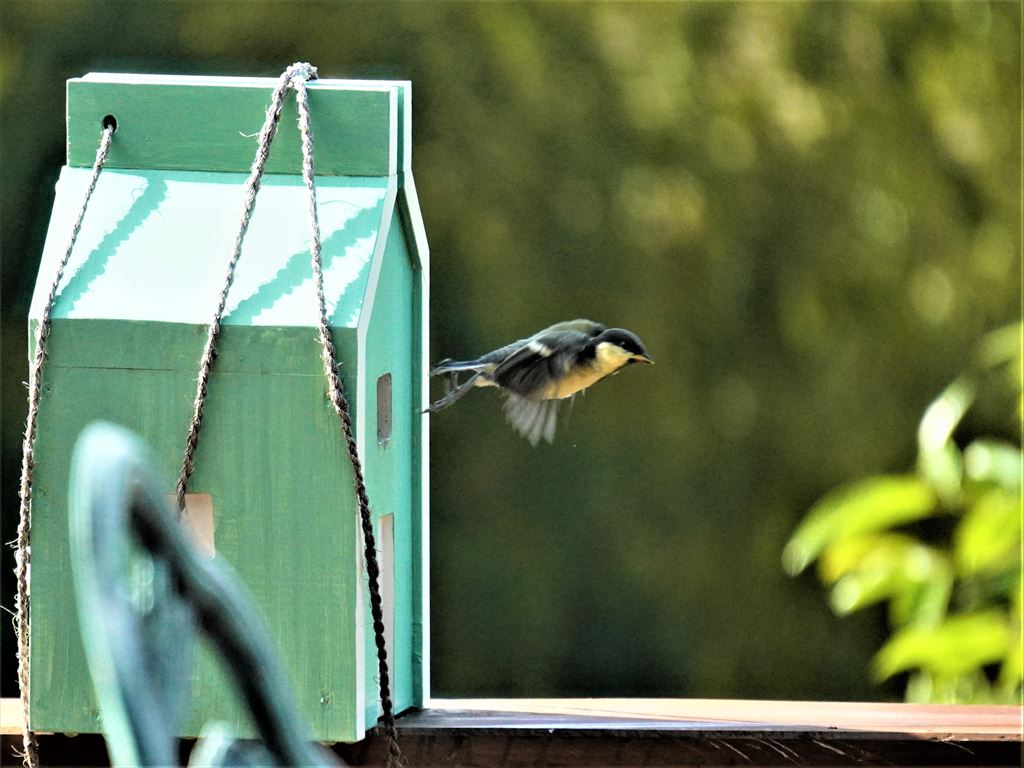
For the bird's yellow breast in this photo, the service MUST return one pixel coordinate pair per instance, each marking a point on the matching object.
(608, 360)
(573, 382)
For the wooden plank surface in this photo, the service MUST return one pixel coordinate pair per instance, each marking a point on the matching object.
(953, 721)
(665, 732)
(211, 124)
(155, 246)
(678, 732)
(10, 717)
(956, 721)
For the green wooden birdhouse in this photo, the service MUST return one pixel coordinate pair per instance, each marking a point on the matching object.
(272, 493)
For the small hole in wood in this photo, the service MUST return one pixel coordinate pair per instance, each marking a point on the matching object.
(109, 122)
(384, 408)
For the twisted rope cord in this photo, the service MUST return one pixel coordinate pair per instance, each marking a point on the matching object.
(295, 77)
(301, 71)
(336, 393)
(23, 553)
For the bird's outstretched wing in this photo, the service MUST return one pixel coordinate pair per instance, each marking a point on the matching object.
(492, 360)
(532, 419)
(580, 324)
(523, 369)
(542, 359)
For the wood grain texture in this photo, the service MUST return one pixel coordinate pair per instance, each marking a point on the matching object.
(392, 346)
(677, 732)
(666, 732)
(129, 325)
(155, 245)
(955, 721)
(125, 345)
(210, 124)
(272, 460)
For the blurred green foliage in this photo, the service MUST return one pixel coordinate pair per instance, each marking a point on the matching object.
(808, 211)
(955, 598)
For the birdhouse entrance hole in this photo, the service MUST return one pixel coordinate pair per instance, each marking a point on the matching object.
(384, 420)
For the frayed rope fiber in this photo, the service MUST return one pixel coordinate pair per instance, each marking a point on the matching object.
(22, 544)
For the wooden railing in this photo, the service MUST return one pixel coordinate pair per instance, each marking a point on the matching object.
(650, 732)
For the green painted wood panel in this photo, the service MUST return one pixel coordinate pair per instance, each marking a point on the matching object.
(391, 343)
(420, 533)
(61, 693)
(210, 124)
(176, 346)
(155, 244)
(275, 465)
(129, 327)
(273, 460)
(412, 220)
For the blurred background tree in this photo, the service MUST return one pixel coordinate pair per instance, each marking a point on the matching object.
(808, 211)
(942, 546)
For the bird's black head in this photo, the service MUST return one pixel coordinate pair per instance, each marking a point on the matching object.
(628, 342)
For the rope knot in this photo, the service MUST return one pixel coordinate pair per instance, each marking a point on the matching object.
(300, 70)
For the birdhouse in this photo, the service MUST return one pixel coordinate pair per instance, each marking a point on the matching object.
(272, 493)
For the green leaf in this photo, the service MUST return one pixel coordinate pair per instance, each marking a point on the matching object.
(924, 602)
(920, 687)
(996, 462)
(1017, 603)
(1002, 346)
(869, 505)
(1011, 674)
(849, 554)
(916, 578)
(939, 460)
(988, 539)
(943, 468)
(958, 646)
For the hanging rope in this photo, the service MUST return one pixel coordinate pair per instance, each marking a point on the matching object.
(337, 395)
(23, 552)
(295, 77)
(252, 186)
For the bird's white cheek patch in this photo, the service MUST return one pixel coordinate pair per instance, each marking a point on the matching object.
(611, 354)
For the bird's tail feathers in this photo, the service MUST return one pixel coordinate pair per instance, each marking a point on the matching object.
(454, 395)
(532, 419)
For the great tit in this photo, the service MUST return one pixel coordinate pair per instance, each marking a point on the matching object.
(539, 371)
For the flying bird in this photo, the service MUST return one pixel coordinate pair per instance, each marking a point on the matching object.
(538, 372)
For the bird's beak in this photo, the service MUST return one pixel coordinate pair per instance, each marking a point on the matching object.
(643, 359)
